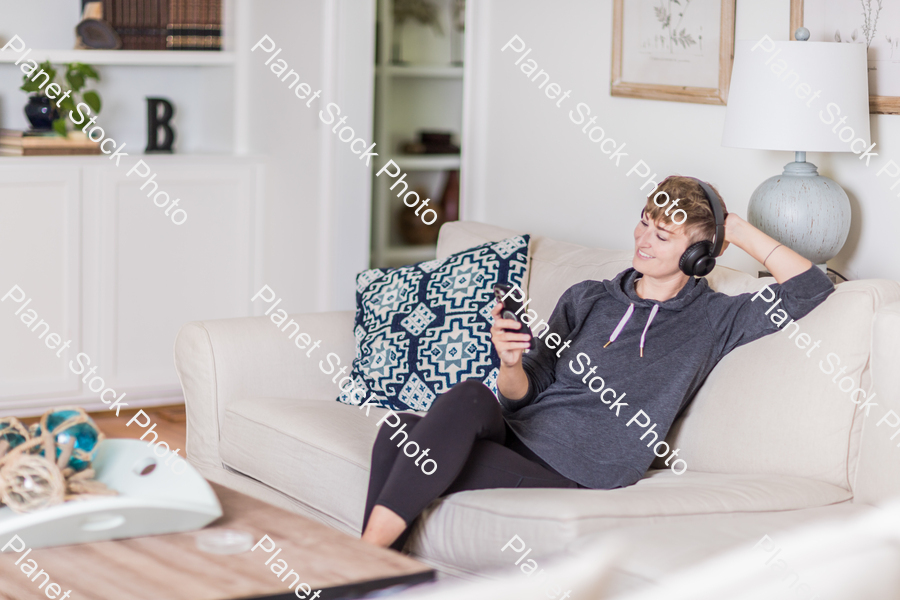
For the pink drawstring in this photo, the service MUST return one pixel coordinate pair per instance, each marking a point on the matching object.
(621, 325)
(653, 312)
(624, 320)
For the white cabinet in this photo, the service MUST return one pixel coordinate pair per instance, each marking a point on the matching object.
(108, 270)
(40, 242)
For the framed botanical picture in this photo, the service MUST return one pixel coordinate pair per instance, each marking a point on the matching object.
(875, 23)
(678, 50)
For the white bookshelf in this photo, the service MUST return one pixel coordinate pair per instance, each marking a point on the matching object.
(424, 93)
(207, 88)
(134, 58)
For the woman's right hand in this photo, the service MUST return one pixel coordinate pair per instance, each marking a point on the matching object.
(509, 344)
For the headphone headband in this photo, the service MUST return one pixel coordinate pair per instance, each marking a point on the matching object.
(700, 258)
(715, 203)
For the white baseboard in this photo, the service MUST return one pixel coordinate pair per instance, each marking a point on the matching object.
(38, 406)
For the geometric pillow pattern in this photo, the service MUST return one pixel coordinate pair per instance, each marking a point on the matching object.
(423, 328)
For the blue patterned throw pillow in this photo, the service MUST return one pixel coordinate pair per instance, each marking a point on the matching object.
(423, 328)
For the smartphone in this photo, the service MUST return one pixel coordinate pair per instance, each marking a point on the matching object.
(510, 307)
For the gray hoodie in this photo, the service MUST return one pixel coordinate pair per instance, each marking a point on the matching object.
(584, 437)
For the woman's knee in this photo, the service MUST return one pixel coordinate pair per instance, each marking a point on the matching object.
(470, 398)
(473, 387)
(407, 421)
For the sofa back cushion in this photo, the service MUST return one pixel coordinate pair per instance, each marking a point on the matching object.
(553, 266)
(773, 406)
(767, 407)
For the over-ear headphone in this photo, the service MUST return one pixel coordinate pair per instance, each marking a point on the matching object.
(700, 258)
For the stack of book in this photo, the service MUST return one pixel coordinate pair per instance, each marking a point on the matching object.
(166, 24)
(43, 143)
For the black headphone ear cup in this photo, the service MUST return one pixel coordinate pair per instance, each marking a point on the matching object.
(694, 259)
(704, 266)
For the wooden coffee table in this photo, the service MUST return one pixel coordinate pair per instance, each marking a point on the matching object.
(172, 567)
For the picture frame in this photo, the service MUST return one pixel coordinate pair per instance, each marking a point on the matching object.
(845, 16)
(658, 51)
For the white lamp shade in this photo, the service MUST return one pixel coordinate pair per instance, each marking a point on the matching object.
(773, 106)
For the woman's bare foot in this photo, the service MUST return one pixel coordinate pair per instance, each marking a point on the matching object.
(384, 527)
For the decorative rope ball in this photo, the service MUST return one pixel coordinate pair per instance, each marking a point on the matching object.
(49, 462)
(29, 482)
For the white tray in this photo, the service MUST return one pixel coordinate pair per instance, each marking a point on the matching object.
(152, 504)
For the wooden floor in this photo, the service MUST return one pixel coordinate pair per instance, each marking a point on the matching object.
(171, 424)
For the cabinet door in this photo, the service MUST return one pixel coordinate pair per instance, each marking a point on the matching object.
(40, 252)
(153, 275)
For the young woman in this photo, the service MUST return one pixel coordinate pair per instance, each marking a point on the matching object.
(650, 335)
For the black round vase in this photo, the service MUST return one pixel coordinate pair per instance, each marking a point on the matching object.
(41, 112)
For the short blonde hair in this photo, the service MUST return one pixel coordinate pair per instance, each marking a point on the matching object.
(700, 223)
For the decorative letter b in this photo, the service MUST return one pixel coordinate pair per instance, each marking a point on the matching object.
(155, 122)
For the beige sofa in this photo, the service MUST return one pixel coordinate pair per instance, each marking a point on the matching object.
(770, 440)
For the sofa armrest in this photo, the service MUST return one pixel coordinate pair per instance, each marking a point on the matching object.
(877, 478)
(230, 359)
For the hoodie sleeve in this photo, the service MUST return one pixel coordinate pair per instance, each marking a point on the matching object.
(738, 320)
(540, 364)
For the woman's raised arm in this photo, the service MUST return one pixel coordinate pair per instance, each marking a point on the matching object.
(782, 262)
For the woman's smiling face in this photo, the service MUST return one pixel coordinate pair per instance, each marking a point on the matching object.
(658, 247)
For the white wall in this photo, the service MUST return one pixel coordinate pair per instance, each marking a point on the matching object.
(317, 191)
(283, 130)
(528, 167)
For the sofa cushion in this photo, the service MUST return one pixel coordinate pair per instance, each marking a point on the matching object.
(319, 452)
(774, 407)
(423, 328)
(651, 551)
(550, 519)
(316, 451)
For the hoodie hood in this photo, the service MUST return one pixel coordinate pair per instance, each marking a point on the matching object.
(621, 288)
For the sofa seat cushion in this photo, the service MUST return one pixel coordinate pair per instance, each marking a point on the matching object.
(549, 519)
(319, 452)
(652, 551)
(316, 451)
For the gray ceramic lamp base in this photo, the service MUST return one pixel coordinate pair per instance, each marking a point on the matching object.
(803, 210)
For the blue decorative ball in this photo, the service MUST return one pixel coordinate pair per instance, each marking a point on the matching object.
(86, 436)
(11, 431)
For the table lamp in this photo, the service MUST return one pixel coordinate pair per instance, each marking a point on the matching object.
(805, 97)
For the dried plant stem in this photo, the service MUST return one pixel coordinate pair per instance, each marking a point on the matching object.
(870, 22)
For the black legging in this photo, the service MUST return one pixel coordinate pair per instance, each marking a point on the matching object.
(472, 445)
